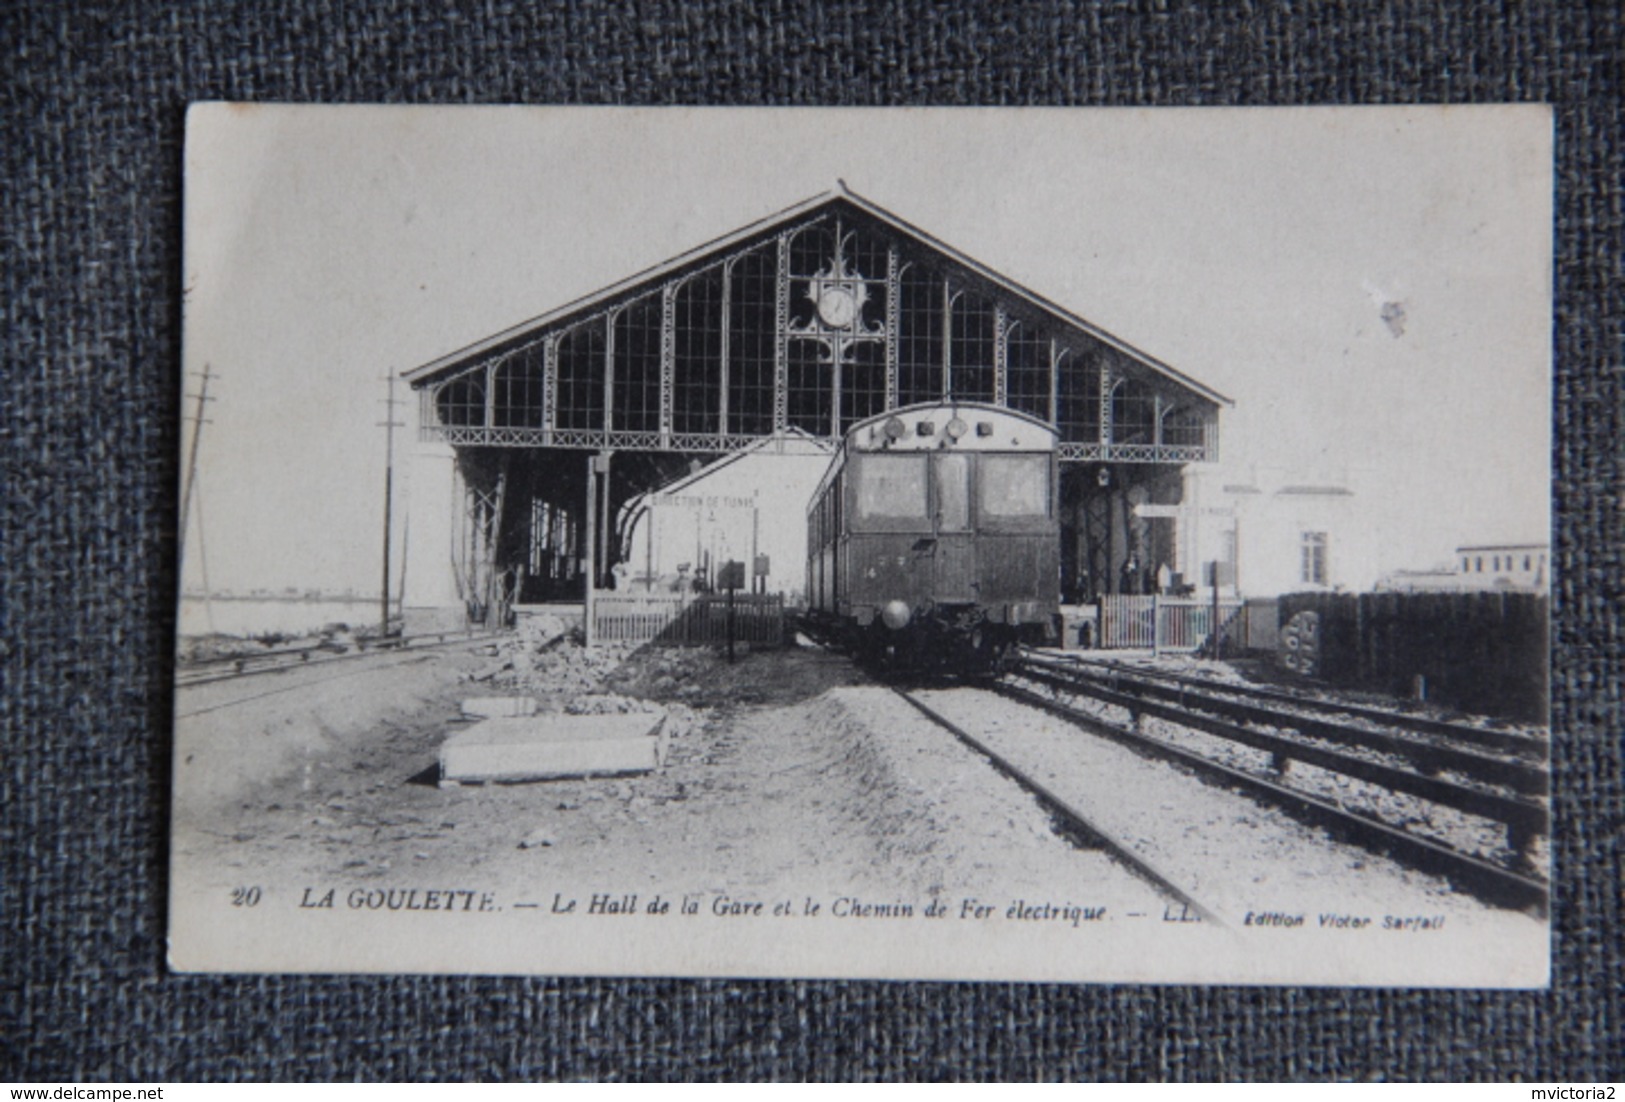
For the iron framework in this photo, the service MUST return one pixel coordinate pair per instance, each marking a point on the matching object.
(856, 314)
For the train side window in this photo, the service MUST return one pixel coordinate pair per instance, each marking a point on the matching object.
(952, 485)
(1015, 486)
(891, 486)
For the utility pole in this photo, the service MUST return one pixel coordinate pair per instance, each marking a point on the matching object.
(603, 513)
(400, 583)
(198, 421)
(203, 563)
(589, 563)
(389, 423)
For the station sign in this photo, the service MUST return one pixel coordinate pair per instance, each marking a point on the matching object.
(699, 501)
(1153, 512)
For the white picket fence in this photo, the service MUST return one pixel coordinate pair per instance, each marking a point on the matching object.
(687, 619)
(1166, 623)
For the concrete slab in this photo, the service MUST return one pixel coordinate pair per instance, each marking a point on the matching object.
(551, 746)
(493, 707)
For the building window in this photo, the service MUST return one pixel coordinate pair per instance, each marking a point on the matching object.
(1313, 570)
(970, 354)
(751, 343)
(1478, 564)
(1026, 361)
(1134, 413)
(1526, 562)
(919, 346)
(1077, 411)
(1464, 565)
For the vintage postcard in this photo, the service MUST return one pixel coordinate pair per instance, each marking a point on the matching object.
(1042, 545)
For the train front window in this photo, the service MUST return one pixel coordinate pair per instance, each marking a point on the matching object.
(891, 486)
(952, 478)
(1015, 486)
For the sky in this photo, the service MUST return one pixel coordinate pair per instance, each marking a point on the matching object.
(1371, 286)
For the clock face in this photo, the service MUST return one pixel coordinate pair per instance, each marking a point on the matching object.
(837, 306)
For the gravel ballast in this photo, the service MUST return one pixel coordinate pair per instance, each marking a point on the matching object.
(1236, 856)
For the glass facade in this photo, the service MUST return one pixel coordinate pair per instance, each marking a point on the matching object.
(813, 326)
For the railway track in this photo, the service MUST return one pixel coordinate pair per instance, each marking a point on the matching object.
(1512, 742)
(1073, 819)
(232, 667)
(1445, 768)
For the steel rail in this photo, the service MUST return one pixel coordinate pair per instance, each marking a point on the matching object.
(1486, 880)
(1525, 817)
(402, 646)
(1075, 820)
(328, 646)
(1509, 741)
(1521, 776)
(302, 684)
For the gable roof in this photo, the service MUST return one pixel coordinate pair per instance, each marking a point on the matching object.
(814, 445)
(836, 197)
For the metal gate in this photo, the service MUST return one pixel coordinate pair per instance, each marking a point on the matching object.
(1166, 623)
(687, 619)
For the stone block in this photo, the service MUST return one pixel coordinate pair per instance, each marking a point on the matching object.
(495, 707)
(551, 746)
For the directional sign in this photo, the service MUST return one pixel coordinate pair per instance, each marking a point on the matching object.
(1152, 512)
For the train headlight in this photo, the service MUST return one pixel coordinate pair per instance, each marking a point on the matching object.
(895, 428)
(896, 615)
(956, 428)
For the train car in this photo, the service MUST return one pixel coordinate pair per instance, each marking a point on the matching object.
(933, 541)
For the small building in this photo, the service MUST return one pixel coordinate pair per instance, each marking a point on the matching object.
(1281, 530)
(1437, 580)
(749, 507)
(1503, 565)
(1514, 567)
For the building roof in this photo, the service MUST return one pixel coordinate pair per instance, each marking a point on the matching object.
(1315, 491)
(839, 196)
(777, 443)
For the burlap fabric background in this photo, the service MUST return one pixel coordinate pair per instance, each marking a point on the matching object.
(92, 216)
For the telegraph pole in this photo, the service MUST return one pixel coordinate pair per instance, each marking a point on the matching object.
(390, 424)
(198, 421)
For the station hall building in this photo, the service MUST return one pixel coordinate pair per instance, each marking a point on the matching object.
(681, 418)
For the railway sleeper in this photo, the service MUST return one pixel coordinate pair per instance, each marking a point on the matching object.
(1481, 878)
(1429, 758)
(1520, 745)
(1517, 812)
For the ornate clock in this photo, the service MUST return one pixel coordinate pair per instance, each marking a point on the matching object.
(837, 305)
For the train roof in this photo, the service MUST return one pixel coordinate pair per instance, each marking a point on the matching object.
(980, 409)
(975, 415)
